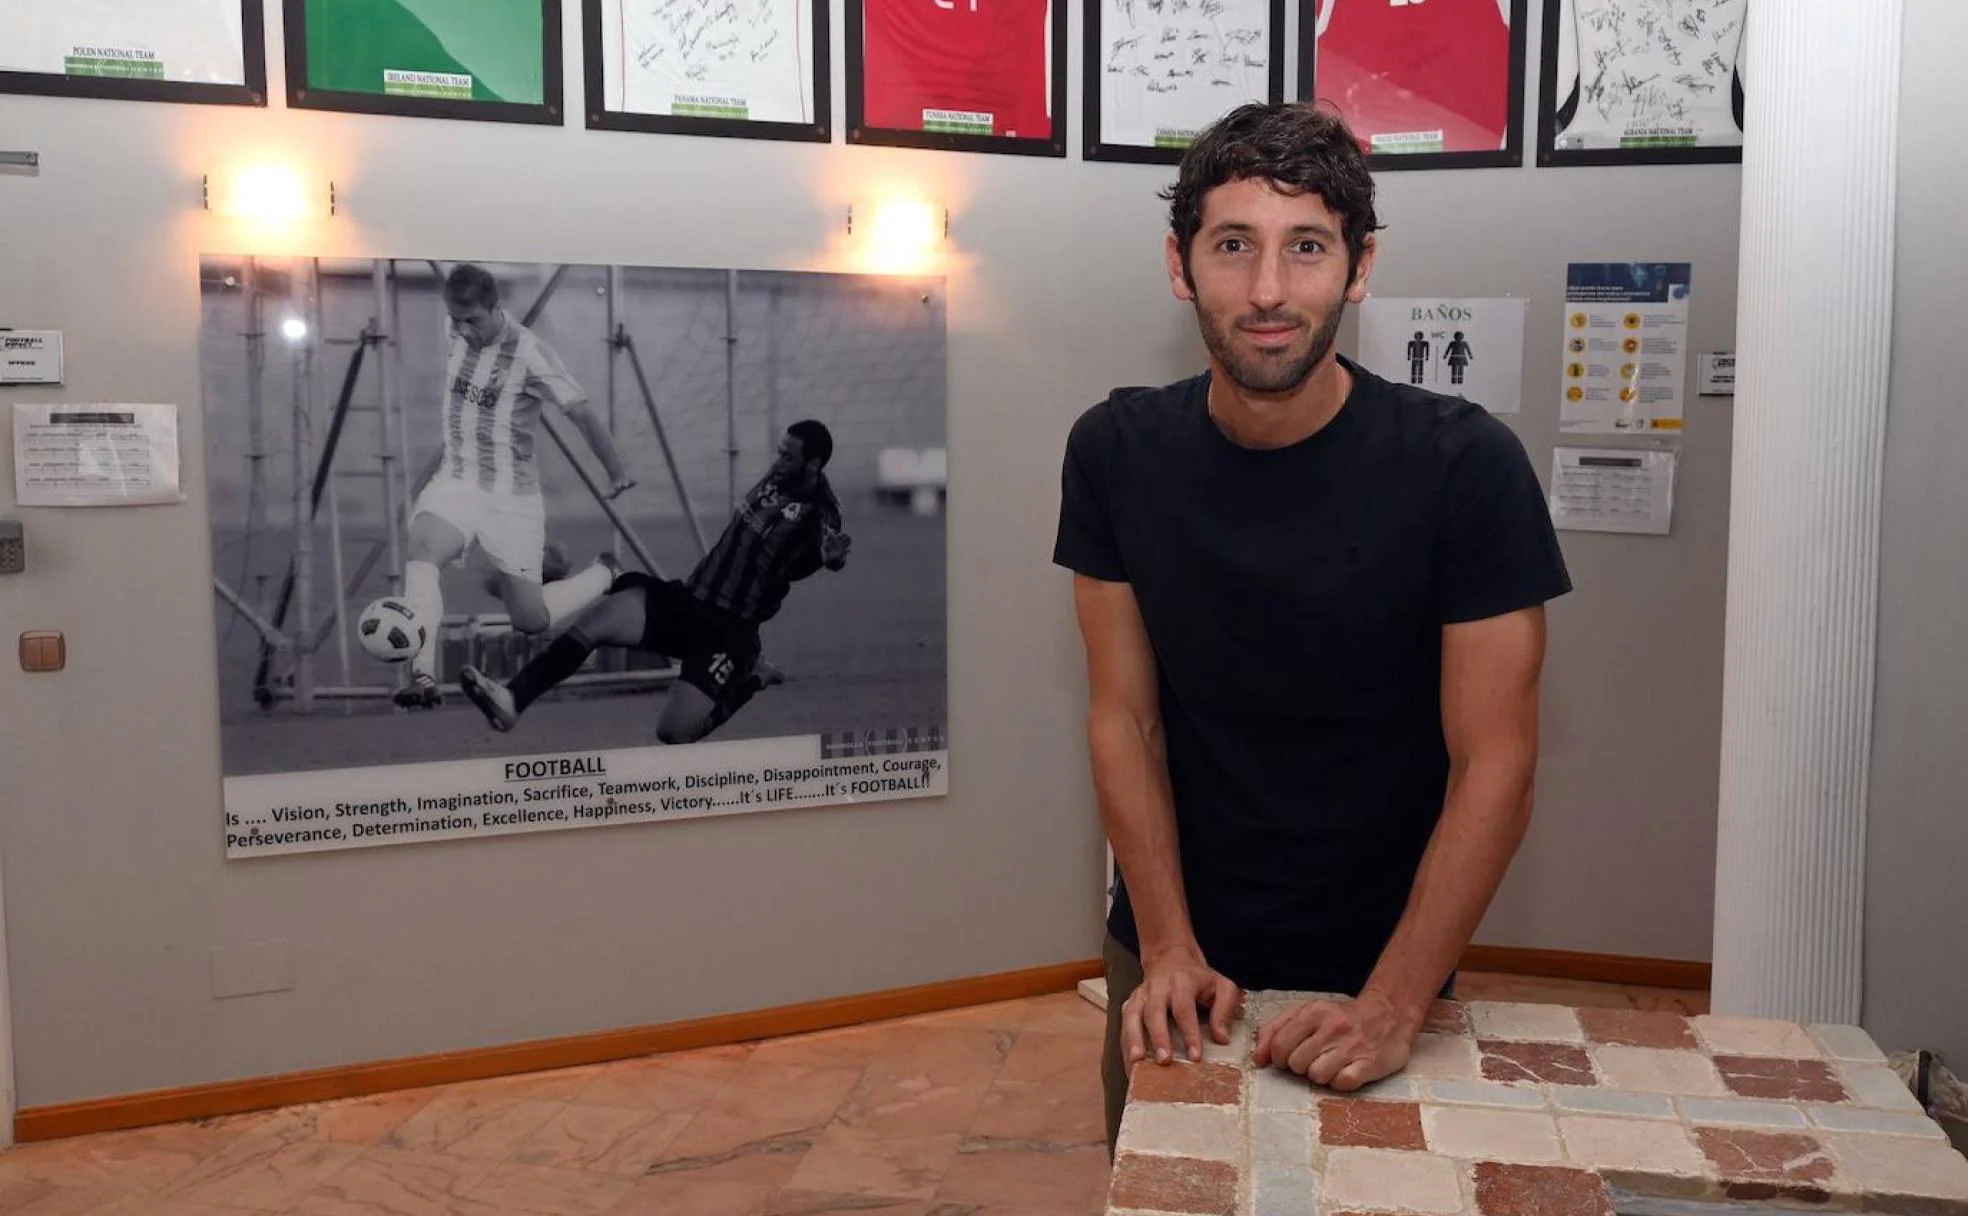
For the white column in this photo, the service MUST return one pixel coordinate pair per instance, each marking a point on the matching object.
(1813, 346)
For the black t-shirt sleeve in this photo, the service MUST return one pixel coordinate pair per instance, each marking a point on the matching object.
(1497, 550)
(1085, 540)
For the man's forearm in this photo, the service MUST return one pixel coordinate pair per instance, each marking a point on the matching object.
(1483, 821)
(1130, 776)
(599, 441)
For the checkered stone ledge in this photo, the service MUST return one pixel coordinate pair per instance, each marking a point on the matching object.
(1543, 1110)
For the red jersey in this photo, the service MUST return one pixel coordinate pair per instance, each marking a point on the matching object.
(971, 66)
(1416, 68)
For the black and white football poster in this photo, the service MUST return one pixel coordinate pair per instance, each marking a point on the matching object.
(512, 547)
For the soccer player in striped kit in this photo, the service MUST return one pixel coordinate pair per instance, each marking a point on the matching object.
(487, 486)
(787, 527)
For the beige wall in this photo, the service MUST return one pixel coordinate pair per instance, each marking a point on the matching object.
(116, 889)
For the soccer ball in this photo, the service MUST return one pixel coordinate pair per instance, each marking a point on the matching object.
(390, 630)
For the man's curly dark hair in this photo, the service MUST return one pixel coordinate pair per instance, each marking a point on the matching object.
(1296, 146)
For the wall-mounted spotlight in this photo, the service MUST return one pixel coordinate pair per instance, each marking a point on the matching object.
(899, 234)
(900, 224)
(269, 194)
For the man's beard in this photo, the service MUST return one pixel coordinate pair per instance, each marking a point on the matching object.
(1268, 373)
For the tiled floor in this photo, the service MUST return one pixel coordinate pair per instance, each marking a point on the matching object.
(1479, 986)
(991, 1111)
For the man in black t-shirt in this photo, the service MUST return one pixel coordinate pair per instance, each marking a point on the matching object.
(1312, 605)
(786, 528)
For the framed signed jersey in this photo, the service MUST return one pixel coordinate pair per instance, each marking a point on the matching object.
(1158, 73)
(205, 51)
(755, 71)
(1642, 81)
(962, 75)
(491, 60)
(1424, 83)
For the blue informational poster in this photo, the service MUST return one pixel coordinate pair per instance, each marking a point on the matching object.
(1625, 355)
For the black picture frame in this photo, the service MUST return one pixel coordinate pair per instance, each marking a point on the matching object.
(301, 95)
(1510, 156)
(1549, 155)
(859, 132)
(252, 92)
(1094, 148)
(601, 118)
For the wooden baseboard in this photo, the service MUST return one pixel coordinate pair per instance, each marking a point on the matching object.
(358, 1080)
(1599, 968)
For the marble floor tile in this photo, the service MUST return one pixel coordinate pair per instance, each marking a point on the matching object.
(683, 1084)
(850, 1161)
(31, 1198)
(795, 1202)
(854, 1047)
(527, 1188)
(1071, 1111)
(264, 1175)
(476, 1127)
(1000, 1015)
(1046, 1058)
(791, 1093)
(1064, 1013)
(140, 1205)
(398, 1182)
(1017, 1174)
(678, 1196)
(142, 1161)
(944, 1051)
(928, 1081)
(556, 1085)
(718, 1148)
(602, 1139)
(348, 1121)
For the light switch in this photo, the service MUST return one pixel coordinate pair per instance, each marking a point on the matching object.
(43, 650)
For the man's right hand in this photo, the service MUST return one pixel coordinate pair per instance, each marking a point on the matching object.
(833, 548)
(1175, 983)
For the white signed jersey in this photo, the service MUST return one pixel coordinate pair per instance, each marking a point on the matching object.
(747, 60)
(1655, 74)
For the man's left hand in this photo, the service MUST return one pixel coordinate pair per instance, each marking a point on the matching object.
(620, 484)
(833, 548)
(1343, 1043)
